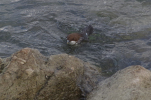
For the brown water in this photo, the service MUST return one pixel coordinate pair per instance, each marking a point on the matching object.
(121, 36)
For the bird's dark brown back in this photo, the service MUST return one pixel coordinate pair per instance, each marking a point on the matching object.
(74, 37)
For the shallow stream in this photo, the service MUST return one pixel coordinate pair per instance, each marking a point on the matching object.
(122, 30)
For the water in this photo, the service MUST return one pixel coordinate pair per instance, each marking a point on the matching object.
(121, 30)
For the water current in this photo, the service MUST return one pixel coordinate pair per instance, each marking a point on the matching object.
(122, 30)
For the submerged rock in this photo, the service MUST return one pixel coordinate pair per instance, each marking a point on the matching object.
(28, 75)
(131, 83)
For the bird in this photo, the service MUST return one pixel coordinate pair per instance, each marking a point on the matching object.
(76, 38)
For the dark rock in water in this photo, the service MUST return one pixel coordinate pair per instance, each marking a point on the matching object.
(131, 83)
(28, 75)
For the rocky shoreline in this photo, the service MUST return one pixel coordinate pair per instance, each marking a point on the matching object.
(28, 75)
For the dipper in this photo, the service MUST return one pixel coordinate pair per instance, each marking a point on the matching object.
(76, 38)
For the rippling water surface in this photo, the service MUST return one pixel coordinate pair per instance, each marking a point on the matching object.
(122, 30)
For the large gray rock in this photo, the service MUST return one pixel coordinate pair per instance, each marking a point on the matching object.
(28, 75)
(3, 63)
(131, 83)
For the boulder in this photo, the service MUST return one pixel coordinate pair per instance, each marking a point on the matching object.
(3, 63)
(28, 75)
(131, 83)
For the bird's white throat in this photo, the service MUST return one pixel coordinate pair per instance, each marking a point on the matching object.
(71, 42)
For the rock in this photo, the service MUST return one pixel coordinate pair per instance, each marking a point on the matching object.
(28, 75)
(3, 63)
(131, 83)
(91, 77)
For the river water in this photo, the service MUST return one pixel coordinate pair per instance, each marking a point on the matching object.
(122, 30)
